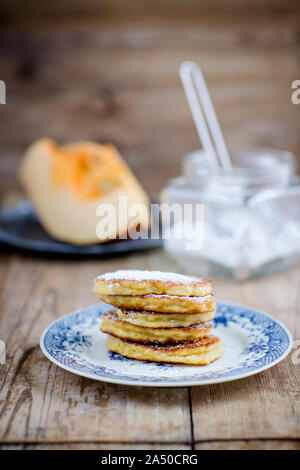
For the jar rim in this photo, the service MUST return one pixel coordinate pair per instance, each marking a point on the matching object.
(254, 167)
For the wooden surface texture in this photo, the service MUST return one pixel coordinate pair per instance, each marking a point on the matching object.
(119, 82)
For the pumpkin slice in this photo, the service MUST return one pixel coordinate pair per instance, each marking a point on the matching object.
(70, 185)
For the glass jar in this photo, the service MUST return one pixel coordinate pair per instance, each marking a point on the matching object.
(251, 214)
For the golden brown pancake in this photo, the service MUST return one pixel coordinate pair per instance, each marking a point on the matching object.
(134, 282)
(163, 303)
(200, 352)
(163, 320)
(113, 325)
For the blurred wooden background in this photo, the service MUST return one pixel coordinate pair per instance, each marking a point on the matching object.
(108, 71)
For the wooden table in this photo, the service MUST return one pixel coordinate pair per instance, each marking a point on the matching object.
(42, 406)
(119, 82)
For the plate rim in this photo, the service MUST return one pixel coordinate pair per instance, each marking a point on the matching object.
(170, 383)
(63, 248)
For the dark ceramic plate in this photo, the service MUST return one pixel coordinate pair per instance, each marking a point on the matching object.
(20, 228)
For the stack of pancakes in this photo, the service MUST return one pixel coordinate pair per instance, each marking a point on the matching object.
(159, 316)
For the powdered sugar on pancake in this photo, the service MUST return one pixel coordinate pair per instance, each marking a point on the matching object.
(139, 275)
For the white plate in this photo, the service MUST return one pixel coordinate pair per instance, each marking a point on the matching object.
(252, 340)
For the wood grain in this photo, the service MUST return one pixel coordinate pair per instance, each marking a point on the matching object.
(112, 81)
(119, 82)
(266, 405)
(40, 402)
(250, 445)
(141, 9)
(282, 444)
(96, 446)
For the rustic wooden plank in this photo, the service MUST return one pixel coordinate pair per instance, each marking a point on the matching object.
(40, 402)
(242, 413)
(266, 405)
(282, 444)
(96, 446)
(152, 10)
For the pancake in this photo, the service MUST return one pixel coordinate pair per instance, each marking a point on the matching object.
(163, 320)
(162, 303)
(113, 325)
(200, 352)
(134, 282)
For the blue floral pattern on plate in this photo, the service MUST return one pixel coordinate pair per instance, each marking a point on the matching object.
(253, 341)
